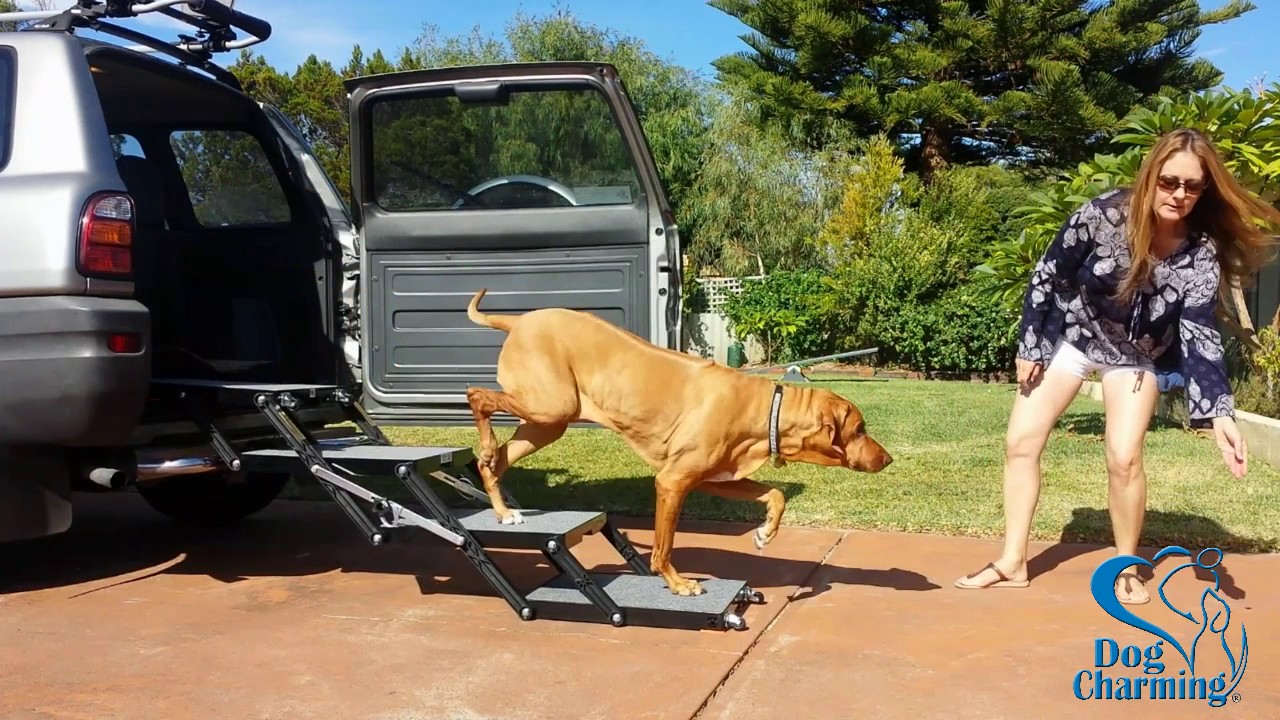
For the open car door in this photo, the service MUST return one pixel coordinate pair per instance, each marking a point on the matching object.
(534, 181)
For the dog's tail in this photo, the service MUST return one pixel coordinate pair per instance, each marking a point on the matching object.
(500, 322)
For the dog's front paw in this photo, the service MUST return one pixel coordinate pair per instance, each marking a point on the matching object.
(513, 517)
(685, 587)
(762, 536)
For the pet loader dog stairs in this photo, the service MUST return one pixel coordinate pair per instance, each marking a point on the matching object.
(639, 598)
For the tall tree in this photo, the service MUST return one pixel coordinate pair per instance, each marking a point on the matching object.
(1040, 81)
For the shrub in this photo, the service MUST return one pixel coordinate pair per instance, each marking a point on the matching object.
(902, 255)
(788, 313)
(959, 331)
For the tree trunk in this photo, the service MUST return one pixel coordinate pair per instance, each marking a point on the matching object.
(934, 149)
(1238, 321)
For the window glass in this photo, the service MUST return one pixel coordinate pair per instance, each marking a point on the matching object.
(7, 81)
(125, 144)
(229, 178)
(538, 148)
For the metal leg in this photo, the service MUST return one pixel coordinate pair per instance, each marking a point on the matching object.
(393, 514)
(466, 487)
(202, 419)
(300, 443)
(470, 546)
(356, 413)
(560, 556)
(625, 548)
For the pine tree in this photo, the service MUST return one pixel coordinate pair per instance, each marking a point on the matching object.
(1040, 81)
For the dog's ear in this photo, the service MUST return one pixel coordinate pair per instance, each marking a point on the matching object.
(834, 414)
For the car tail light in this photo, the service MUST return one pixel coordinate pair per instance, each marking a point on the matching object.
(106, 237)
(124, 343)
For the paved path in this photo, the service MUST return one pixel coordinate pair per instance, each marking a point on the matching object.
(292, 615)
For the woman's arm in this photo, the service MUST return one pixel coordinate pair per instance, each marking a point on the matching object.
(1060, 261)
(1208, 389)
(1209, 397)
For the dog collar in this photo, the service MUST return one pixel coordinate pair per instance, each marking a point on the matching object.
(775, 412)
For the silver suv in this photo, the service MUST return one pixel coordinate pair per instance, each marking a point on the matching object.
(170, 242)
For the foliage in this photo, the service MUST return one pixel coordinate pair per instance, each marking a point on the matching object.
(787, 312)
(900, 254)
(758, 201)
(1267, 359)
(1003, 79)
(1242, 123)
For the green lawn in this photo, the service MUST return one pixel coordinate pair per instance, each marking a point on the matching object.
(947, 441)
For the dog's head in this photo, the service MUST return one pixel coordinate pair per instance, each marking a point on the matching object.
(839, 436)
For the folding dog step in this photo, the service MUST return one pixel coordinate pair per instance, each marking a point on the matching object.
(246, 391)
(575, 594)
(567, 527)
(361, 459)
(645, 600)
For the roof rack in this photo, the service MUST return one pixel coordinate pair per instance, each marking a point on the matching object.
(214, 21)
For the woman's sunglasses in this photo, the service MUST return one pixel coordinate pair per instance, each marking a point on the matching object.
(1169, 184)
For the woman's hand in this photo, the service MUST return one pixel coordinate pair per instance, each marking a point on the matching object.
(1028, 372)
(1235, 452)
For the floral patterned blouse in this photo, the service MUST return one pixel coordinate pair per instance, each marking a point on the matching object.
(1169, 325)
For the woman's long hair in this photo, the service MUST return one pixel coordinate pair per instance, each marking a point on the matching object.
(1225, 210)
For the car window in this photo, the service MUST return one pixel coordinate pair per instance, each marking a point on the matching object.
(229, 178)
(541, 148)
(125, 144)
(7, 82)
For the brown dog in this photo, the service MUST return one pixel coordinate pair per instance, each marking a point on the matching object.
(700, 425)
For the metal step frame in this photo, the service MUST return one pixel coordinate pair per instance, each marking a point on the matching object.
(575, 594)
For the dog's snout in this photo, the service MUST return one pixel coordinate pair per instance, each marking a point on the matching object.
(877, 458)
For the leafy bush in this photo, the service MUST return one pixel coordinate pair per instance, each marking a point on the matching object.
(1262, 389)
(901, 255)
(959, 331)
(788, 313)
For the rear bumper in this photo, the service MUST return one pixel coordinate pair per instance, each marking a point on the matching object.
(60, 383)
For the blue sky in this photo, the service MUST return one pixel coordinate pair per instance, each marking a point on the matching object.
(687, 31)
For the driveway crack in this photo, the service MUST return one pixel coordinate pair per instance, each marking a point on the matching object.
(734, 668)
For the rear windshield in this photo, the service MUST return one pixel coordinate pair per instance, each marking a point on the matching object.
(544, 147)
(7, 57)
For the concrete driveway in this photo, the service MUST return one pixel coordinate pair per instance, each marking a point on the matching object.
(293, 615)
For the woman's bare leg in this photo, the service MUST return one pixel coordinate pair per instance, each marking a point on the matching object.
(1035, 411)
(1130, 401)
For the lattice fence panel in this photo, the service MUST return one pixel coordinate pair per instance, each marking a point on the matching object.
(718, 289)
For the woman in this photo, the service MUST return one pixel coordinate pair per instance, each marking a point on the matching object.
(1130, 283)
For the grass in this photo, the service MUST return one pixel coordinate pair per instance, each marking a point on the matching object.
(947, 439)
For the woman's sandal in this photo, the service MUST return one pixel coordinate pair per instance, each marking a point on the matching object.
(1003, 582)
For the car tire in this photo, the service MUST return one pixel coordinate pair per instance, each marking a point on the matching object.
(214, 499)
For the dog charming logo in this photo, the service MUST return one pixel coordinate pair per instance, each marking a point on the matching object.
(1107, 680)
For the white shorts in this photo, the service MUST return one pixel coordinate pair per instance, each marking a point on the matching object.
(1068, 358)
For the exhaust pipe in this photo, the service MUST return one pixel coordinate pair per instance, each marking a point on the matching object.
(159, 466)
(109, 477)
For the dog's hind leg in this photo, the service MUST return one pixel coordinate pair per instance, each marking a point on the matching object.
(494, 460)
(746, 489)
